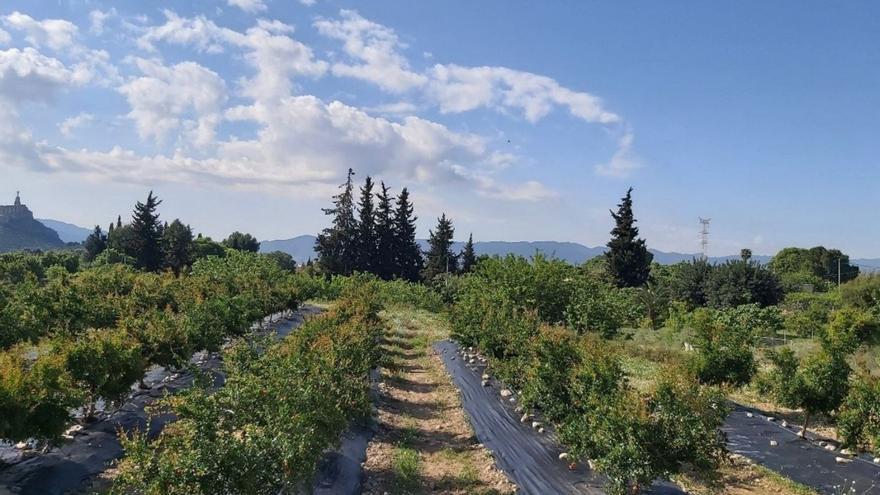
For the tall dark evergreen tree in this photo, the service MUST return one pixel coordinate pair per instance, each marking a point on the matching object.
(440, 258)
(110, 228)
(407, 255)
(367, 242)
(629, 261)
(385, 265)
(119, 218)
(146, 231)
(177, 246)
(468, 257)
(95, 243)
(336, 245)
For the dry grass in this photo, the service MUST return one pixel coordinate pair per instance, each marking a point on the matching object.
(741, 477)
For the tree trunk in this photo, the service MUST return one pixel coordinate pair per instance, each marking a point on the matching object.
(803, 433)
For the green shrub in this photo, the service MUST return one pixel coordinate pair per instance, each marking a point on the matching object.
(859, 418)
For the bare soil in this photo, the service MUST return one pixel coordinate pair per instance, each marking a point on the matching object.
(425, 443)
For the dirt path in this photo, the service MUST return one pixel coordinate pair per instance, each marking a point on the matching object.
(424, 443)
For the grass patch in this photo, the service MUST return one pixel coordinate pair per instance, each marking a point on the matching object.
(407, 469)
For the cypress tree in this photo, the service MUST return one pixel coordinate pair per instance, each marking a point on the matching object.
(177, 246)
(146, 231)
(95, 243)
(119, 218)
(336, 245)
(384, 266)
(468, 257)
(629, 261)
(440, 258)
(407, 255)
(367, 244)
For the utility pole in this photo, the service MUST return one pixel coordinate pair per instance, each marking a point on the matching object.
(838, 273)
(704, 237)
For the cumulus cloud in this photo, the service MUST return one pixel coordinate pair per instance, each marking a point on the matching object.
(252, 6)
(5, 38)
(302, 145)
(69, 125)
(56, 34)
(164, 98)
(375, 47)
(275, 55)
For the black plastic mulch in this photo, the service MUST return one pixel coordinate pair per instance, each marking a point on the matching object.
(71, 467)
(530, 459)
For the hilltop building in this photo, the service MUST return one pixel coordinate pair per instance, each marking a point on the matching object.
(19, 230)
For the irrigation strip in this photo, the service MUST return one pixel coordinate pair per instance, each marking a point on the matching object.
(71, 467)
(765, 441)
(529, 458)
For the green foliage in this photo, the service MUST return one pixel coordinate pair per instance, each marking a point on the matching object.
(543, 284)
(94, 244)
(440, 258)
(848, 328)
(859, 419)
(242, 242)
(36, 393)
(268, 427)
(734, 283)
(177, 246)
(628, 258)
(105, 363)
(806, 314)
(818, 262)
(597, 307)
(146, 234)
(468, 256)
(817, 383)
(862, 292)
(283, 260)
(95, 330)
(337, 245)
(577, 380)
(687, 281)
(204, 247)
(723, 346)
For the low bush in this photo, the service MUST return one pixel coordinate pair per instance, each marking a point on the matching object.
(280, 409)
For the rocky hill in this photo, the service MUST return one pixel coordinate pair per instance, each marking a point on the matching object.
(19, 230)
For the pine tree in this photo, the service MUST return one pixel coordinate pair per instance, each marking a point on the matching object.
(119, 218)
(146, 230)
(110, 229)
(384, 266)
(367, 243)
(336, 245)
(440, 258)
(629, 261)
(177, 246)
(407, 255)
(95, 244)
(468, 257)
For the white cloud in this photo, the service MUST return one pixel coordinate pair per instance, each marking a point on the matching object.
(165, 98)
(5, 38)
(308, 3)
(275, 56)
(376, 46)
(56, 34)
(459, 89)
(623, 163)
(532, 191)
(72, 123)
(97, 18)
(29, 75)
(252, 6)
(396, 108)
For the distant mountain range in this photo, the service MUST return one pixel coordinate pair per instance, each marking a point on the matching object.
(68, 232)
(303, 247)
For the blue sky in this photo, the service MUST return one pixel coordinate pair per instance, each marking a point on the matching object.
(520, 120)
